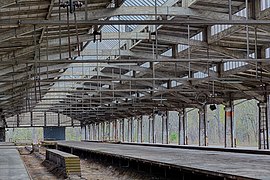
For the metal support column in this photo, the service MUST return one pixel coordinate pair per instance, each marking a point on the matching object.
(229, 133)
(181, 128)
(128, 130)
(109, 129)
(2, 129)
(131, 129)
(86, 137)
(114, 130)
(153, 129)
(167, 128)
(149, 129)
(230, 9)
(83, 132)
(45, 119)
(58, 120)
(98, 131)
(90, 132)
(141, 127)
(138, 129)
(263, 126)
(2, 134)
(95, 131)
(103, 131)
(31, 119)
(202, 127)
(123, 130)
(162, 128)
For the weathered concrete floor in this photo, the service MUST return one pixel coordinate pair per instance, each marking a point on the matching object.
(11, 165)
(237, 164)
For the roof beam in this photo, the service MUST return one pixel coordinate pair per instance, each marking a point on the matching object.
(189, 3)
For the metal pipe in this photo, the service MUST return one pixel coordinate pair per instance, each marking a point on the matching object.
(230, 9)
(77, 34)
(68, 25)
(256, 49)
(247, 28)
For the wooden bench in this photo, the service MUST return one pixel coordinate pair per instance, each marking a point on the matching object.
(69, 162)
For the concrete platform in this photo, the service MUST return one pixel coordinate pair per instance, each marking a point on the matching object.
(221, 164)
(7, 146)
(11, 165)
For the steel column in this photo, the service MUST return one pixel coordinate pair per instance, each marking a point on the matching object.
(2, 129)
(202, 127)
(86, 135)
(153, 128)
(58, 120)
(263, 126)
(45, 119)
(103, 131)
(141, 129)
(31, 119)
(95, 131)
(162, 128)
(229, 126)
(109, 129)
(90, 132)
(230, 9)
(128, 130)
(138, 129)
(131, 129)
(83, 132)
(123, 130)
(98, 132)
(165, 129)
(181, 128)
(114, 130)
(2, 134)
(18, 120)
(149, 129)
